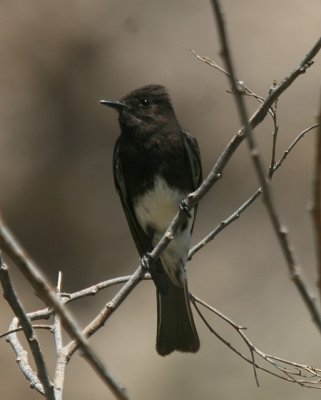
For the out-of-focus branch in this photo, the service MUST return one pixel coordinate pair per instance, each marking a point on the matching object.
(279, 229)
(303, 375)
(316, 201)
(274, 140)
(10, 245)
(12, 298)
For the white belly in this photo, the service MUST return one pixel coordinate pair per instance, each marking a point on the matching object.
(158, 206)
(156, 209)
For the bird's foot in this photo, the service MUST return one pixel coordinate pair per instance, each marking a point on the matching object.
(184, 206)
(147, 262)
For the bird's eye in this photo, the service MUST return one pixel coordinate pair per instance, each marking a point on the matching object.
(144, 102)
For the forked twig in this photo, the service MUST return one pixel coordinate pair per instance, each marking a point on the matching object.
(303, 375)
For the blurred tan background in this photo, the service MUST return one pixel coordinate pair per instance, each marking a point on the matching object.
(57, 60)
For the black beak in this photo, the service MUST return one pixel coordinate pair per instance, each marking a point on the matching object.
(117, 105)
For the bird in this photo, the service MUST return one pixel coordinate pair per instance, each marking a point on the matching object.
(156, 164)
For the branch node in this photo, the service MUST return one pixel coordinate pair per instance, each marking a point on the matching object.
(169, 235)
(306, 66)
(284, 230)
(110, 305)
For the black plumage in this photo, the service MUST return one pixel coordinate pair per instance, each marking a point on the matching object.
(156, 164)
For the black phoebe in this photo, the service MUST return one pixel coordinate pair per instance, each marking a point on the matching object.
(156, 164)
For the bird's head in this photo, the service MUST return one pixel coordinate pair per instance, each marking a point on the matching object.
(145, 109)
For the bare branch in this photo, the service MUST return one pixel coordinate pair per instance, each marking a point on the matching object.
(316, 201)
(279, 229)
(12, 298)
(22, 358)
(278, 89)
(274, 139)
(32, 273)
(92, 290)
(61, 361)
(293, 144)
(224, 224)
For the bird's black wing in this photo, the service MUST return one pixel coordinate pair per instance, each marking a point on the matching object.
(142, 240)
(194, 159)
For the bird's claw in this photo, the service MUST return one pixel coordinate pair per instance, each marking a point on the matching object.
(184, 206)
(147, 261)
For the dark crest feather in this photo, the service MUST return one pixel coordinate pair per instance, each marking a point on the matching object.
(154, 91)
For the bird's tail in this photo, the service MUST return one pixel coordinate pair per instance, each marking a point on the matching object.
(175, 324)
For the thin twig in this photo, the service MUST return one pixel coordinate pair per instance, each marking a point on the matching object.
(61, 363)
(293, 144)
(19, 329)
(94, 289)
(274, 139)
(279, 229)
(224, 224)
(242, 87)
(44, 313)
(57, 321)
(12, 298)
(316, 201)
